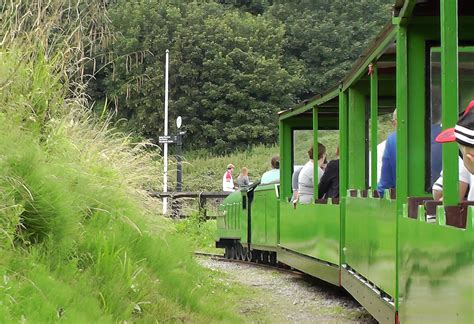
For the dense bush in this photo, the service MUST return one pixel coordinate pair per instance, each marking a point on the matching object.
(234, 64)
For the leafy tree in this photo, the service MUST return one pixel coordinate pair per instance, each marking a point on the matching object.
(256, 7)
(227, 78)
(234, 63)
(327, 36)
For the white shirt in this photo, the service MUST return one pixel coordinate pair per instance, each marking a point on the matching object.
(305, 182)
(464, 176)
(227, 181)
(380, 150)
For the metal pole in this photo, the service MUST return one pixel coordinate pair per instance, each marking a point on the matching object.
(179, 170)
(315, 153)
(374, 97)
(449, 97)
(165, 145)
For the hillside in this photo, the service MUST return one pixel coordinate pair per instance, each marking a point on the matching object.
(80, 240)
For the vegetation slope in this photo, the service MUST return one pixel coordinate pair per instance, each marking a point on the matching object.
(79, 239)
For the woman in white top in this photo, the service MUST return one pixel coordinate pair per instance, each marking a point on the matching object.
(305, 178)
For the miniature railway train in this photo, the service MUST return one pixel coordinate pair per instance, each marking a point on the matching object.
(405, 257)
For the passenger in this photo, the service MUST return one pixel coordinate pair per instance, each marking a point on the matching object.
(243, 178)
(324, 164)
(329, 183)
(463, 134)
(380, 150)
(305, 179)
(227, 181)
(387, 178)
(465, 183)
(388, 174)
(294, 183)
(273, 175)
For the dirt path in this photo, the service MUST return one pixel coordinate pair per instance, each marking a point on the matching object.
(281, 297)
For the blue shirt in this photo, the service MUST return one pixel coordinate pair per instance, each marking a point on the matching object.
(389, 165)
(272, 176)
(388, 175)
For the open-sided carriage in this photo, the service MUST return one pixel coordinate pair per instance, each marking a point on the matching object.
(403, 256)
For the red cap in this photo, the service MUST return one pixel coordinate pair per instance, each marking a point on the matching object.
(446, 136)
(463, 131)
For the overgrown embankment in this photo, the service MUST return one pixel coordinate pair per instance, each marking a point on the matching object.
(79, 239)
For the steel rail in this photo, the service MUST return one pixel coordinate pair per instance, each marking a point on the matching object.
(220, 257)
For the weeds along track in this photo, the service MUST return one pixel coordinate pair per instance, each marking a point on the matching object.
(277, 266)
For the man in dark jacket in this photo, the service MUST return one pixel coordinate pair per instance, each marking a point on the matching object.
(329, 184)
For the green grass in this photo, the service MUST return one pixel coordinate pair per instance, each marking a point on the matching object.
(80, 241)
(201, 233)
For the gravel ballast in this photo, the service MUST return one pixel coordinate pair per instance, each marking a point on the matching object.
(282, 297)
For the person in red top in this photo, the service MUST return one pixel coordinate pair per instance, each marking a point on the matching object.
(227, 181)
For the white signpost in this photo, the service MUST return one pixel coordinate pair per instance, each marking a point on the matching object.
(165, 145)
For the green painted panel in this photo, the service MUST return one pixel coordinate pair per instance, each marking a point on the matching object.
(343, 143)
(312, 230)
(244, 219)
(415, 138)
(356, 139)
(286, 166)
(436, 272)
(370, 240)
(315, 145)
(374, 107)
(311, 266)
(264, 216)
(449, 95)
(229, 217)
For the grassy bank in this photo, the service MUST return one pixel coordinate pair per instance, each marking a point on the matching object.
(80, 240)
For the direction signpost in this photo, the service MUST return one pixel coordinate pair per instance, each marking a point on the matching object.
(178, 140)
(168, 139)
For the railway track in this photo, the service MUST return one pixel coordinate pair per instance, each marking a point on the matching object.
(278, 266)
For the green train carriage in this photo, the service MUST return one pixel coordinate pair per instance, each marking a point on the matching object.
(399, 263)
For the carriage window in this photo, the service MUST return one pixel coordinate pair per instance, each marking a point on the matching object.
(330, 139)
(466, 94)
(384, 129)
(302, 141)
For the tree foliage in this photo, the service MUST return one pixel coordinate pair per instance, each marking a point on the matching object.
(234, 64)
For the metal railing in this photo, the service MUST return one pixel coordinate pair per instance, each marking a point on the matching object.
(201, 196)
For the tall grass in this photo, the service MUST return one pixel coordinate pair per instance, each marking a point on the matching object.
(79, 239)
